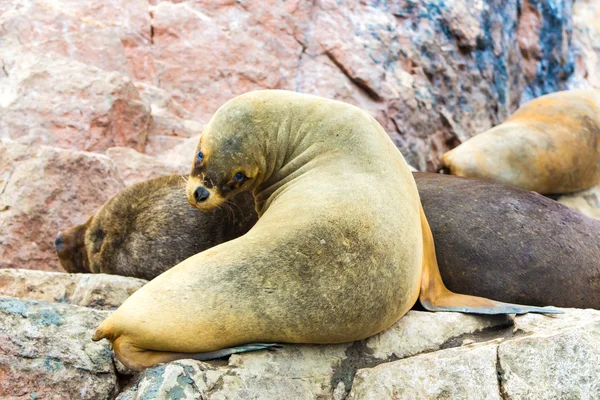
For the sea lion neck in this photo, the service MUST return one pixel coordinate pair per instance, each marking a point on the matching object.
(296, 132)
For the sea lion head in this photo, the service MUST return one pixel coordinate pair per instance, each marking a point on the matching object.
(70, 248)
(228, 159)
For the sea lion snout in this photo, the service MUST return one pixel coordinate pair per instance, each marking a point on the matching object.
(59, 242)
(201, 194)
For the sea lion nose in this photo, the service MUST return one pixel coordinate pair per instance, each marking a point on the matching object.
(201, 194)
(59, 242)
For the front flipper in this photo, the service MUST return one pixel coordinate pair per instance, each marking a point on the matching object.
(234, 350)
(137, 358)
(435, 296)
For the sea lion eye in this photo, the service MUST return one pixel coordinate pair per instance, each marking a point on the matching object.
(239, 177)
(200, 156)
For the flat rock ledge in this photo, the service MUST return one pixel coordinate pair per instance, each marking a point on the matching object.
(46, 352)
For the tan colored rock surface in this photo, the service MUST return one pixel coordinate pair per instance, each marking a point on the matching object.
(46, 352)
(136, 167)
(586, 202)
(463, 373)
(183, 153)
(100, 291)
(586, 43)
(540, 357)
(419, 332)
(42, 191)
(49, 99)
(559, 362)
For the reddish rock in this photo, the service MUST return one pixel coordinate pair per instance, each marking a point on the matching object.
(44, 190)
(170, 124)
(113, 37)
(207, 52)
(183, 154)
(433, 73)
(136, 167)
(48, 99)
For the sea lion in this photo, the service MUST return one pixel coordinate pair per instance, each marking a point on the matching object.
(550, 145)
(148, 228)
(499, 241)
(340, 252)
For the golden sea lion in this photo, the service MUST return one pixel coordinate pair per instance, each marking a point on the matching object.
(340, 252)
(148, 228)
(550, 145)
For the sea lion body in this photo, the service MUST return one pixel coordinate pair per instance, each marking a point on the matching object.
(341, 250)
(549, 145)
(148, 228)
(509, 244)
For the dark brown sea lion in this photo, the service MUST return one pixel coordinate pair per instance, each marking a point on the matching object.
(341, 251)
(550, 145)
(509, 244)
(148, 228)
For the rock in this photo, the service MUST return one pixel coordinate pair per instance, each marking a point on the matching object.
(419, 332)
(48, 99)
(586, 44)
(171, 124)
(557, 363)
(434, 73)
(99, 291)
(586, 201)
(136, 167)
(182, 153)
(44, 190)
(463, 373)
(424, 355)
(113, 38)
(206, 53)
(46, 352)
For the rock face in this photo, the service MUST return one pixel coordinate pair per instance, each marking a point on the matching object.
(99, 291)
(48, 99)
(451, 356)
(434, 73)
(586, 44)
(586, 202)
(46, 352)
(43, 189)
(423, 355)
(136, 167)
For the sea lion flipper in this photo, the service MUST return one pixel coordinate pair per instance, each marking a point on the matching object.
(455, 302)
(434, 295)
(234, 350)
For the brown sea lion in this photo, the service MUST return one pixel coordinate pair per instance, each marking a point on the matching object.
(149, 227)
(341, 251)
(509, 244)
(550, 145)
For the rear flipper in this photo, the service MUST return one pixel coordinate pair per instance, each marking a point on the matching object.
(137, 358)
(434, 295)
(234, 350)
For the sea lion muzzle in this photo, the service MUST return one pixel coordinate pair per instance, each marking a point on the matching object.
(59, 242)
(201, 194)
